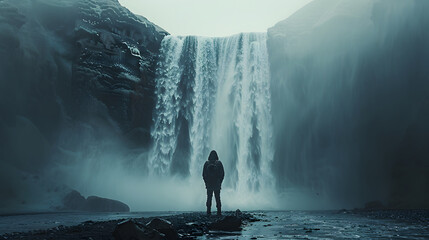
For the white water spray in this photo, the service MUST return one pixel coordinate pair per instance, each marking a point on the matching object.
(214, 93)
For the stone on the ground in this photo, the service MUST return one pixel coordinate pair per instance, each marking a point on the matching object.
(130, 230)
(228, 223)
(165, 227)
(238, 213)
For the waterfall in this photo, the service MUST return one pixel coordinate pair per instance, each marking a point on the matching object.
(214, 93)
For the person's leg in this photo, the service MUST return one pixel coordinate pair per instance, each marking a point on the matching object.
(218, 203)
(209, 200)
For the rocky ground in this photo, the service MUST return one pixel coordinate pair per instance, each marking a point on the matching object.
(182, 226)
(343, 224)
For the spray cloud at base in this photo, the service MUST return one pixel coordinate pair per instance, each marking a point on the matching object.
(110, 174)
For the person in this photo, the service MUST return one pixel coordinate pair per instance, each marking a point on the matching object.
(213, 175)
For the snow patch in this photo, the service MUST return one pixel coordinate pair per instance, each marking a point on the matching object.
(133, 50)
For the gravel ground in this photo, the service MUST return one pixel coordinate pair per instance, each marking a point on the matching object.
(343, 224)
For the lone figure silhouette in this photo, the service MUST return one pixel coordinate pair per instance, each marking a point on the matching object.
(213, 175)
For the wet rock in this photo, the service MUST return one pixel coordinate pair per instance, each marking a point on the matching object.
(238, 213)
(165, 227)
(253, 219)
(193, 224)
(130, 230)
(196, 232)
(228, 223)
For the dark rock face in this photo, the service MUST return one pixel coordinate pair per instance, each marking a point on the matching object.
(115, 64)
(71, 71)
(77, 61)
(76, 202)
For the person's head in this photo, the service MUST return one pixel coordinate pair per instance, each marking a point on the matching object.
(213, 156)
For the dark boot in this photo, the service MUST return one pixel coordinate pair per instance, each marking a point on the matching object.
(219, 211)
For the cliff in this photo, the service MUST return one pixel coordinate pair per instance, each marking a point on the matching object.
(77, 59)
(71, 73)
(350, 106)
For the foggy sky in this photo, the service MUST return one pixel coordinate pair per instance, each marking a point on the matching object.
(214, 18)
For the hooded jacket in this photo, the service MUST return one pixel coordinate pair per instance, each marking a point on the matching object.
(213, 172)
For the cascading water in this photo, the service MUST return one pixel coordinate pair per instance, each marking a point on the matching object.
(214, 93)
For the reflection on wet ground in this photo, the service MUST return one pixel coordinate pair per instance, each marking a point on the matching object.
(335, 225)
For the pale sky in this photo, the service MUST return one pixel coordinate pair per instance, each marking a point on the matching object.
(214, 17)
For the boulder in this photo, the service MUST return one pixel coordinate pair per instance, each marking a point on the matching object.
(74, 201)
(165, 227)
(238, 213)
(130, 230)
(98, 204)
(228, 223)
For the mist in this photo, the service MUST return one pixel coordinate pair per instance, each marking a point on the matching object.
(327, 109)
